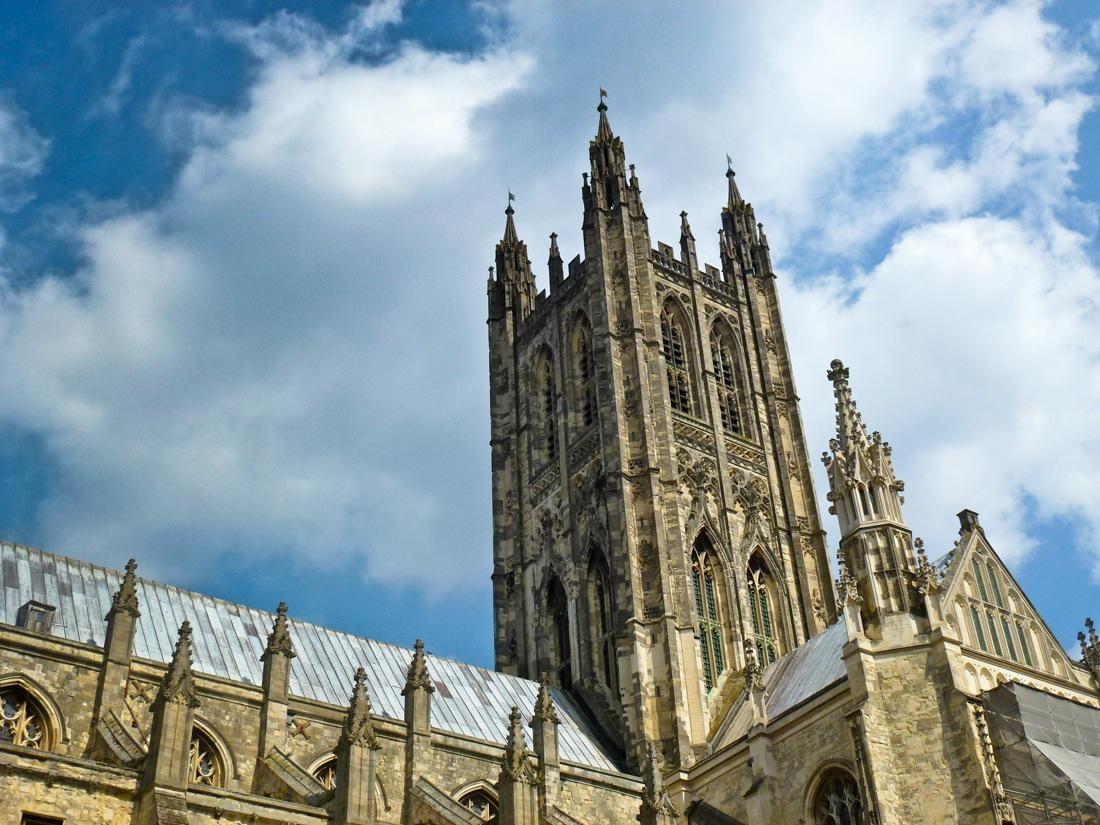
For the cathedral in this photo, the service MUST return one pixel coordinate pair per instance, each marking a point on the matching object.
(672, 645)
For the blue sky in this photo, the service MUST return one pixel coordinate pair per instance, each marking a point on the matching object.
(243, 250)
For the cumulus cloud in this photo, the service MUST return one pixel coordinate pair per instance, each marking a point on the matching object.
(287, 354)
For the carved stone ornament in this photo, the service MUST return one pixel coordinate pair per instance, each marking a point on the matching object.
(278, 641)
(655, 796)
(358, 730)
(417, 677)
(515, 764)
(925, 578)
(126, 599)
(754, 676)
(179, 682)
(544, 703)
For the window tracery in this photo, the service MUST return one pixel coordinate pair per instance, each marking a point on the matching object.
(22, 720)
(727, 374)
(674, 346)
(325, 773)
(762, 607)
(999, 624)
(482, 803)
(837, 801)
(708, 612)
(204, 764)
(585, 371)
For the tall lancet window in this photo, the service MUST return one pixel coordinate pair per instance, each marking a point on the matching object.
(600, 612)
(584, 370)
(547, 425)
(708, 612)
(762, 604)
(558, 610)
(674, 345)
(727, 375)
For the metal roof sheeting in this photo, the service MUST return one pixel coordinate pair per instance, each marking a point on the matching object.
(229, 639)
(806, 670)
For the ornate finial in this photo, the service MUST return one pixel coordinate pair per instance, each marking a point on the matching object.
(278, 641)
(847, 589)
(511, 238)
(544, 703)
(754, 676)
(734, 201)
(417, 677)
(179, 682)
(685, 228)
(358, 728)
(554, 253)
(603, 106)
(925, 577)
(126, 599)
(603, 133)
(1090, 649)
(514, 763)
(655, 796)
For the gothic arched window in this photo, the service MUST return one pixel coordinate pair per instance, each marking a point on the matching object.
(727, 375)
(482, 803)
(762, 604)
(837, 801)
(205, 765)
(558, 609)
(325, 773)
(584, 371)
(22, 720)
(601, 612)
(546, 424)
(705, 581)
(674, 346)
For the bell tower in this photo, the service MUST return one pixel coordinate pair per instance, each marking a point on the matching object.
(653, 509)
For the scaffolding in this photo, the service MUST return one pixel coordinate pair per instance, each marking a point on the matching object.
(1048, 753)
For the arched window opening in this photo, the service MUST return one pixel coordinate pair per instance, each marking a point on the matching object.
(558, 607)
(1025, 648)
(837, 801)
(547, 423)
(674, 345)
(585, 371)
(978, 632)
(1008, 640)
(872, 491)
(325, 773)
(992, 627)
(762, 607)
(601, 611)
(863, 500)
(727, 375)
(481, 803)
(994, 585)
(980, 579)
(22, 720)
(704, 568)
(205, 766)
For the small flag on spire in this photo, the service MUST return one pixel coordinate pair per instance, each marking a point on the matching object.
(729, 161)
(511, 197)
(603, 92)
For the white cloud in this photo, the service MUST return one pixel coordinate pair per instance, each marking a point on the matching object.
(287, 354)
(23, 153)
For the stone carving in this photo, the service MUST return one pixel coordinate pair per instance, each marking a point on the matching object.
(358, 730)
(278, 641)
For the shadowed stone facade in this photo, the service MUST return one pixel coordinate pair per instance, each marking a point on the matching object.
(670, 644)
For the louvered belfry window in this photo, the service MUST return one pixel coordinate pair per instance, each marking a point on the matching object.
(708, 613)
(727, 377)
(675, 349)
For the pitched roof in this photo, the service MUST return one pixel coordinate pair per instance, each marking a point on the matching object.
(229, 639)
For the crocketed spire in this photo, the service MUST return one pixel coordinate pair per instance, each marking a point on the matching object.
(278, 641)
(544, 702)
(849, 425)
(735, 200)
(126, 599)
(179, 682)
(417, 678)
(603, 131)
(358, 728)
(510, 238)
(514, 762)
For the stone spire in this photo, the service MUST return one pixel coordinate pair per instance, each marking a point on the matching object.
(510, 238)
(554, 263)
(734, 201)
(179, 682)
(849, 424)
(126, 598)
(603, 131)
(278, 640)
(358, 730)
(513, 283)
(416, 677)
(657, 807)
(687, 244)
(516, 784)
(544, 731)
(514, 762)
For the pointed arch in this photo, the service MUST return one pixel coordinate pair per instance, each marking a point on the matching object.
(763, 609)
(710, 613)
(729, 377)
(601, 620)
(560, 649)
(833, 797)
(677, 350)
(583, 370)
(209, 761)
(40, 700)
(544, 419)
(480, 798)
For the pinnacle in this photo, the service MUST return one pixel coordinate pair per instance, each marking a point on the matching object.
(417, 677)
(849, 424)
(554, 253)
(510, 237)
(603, 132)
(358, 729)
(685, 228)
(735, 200)
(179, 682)
(278, 641)
(126, 599)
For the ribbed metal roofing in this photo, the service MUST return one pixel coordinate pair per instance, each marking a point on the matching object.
(229, 639)
(806, 670)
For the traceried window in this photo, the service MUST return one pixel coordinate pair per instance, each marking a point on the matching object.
(325, 773)
(978, 632)
(481, 803)
(980, 579)
(22, 721)
(585, 372)
(558, 609)
(727, 375)
(674, 346)
(547, 425)
(205, 767)
(704, 579)
(998, 616)
(762, 606)
(837, 801)
(1025, 648)
(994, 585)
(600, 620)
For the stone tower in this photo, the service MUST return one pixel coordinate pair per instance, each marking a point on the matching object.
(653, 509)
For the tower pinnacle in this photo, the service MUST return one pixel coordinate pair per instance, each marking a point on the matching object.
(735, 200)
(510, 237)
(849, 424)
(603, 132)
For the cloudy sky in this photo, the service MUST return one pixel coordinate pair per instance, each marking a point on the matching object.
(243, 255)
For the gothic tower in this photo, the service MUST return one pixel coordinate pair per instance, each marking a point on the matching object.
(653, 509)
